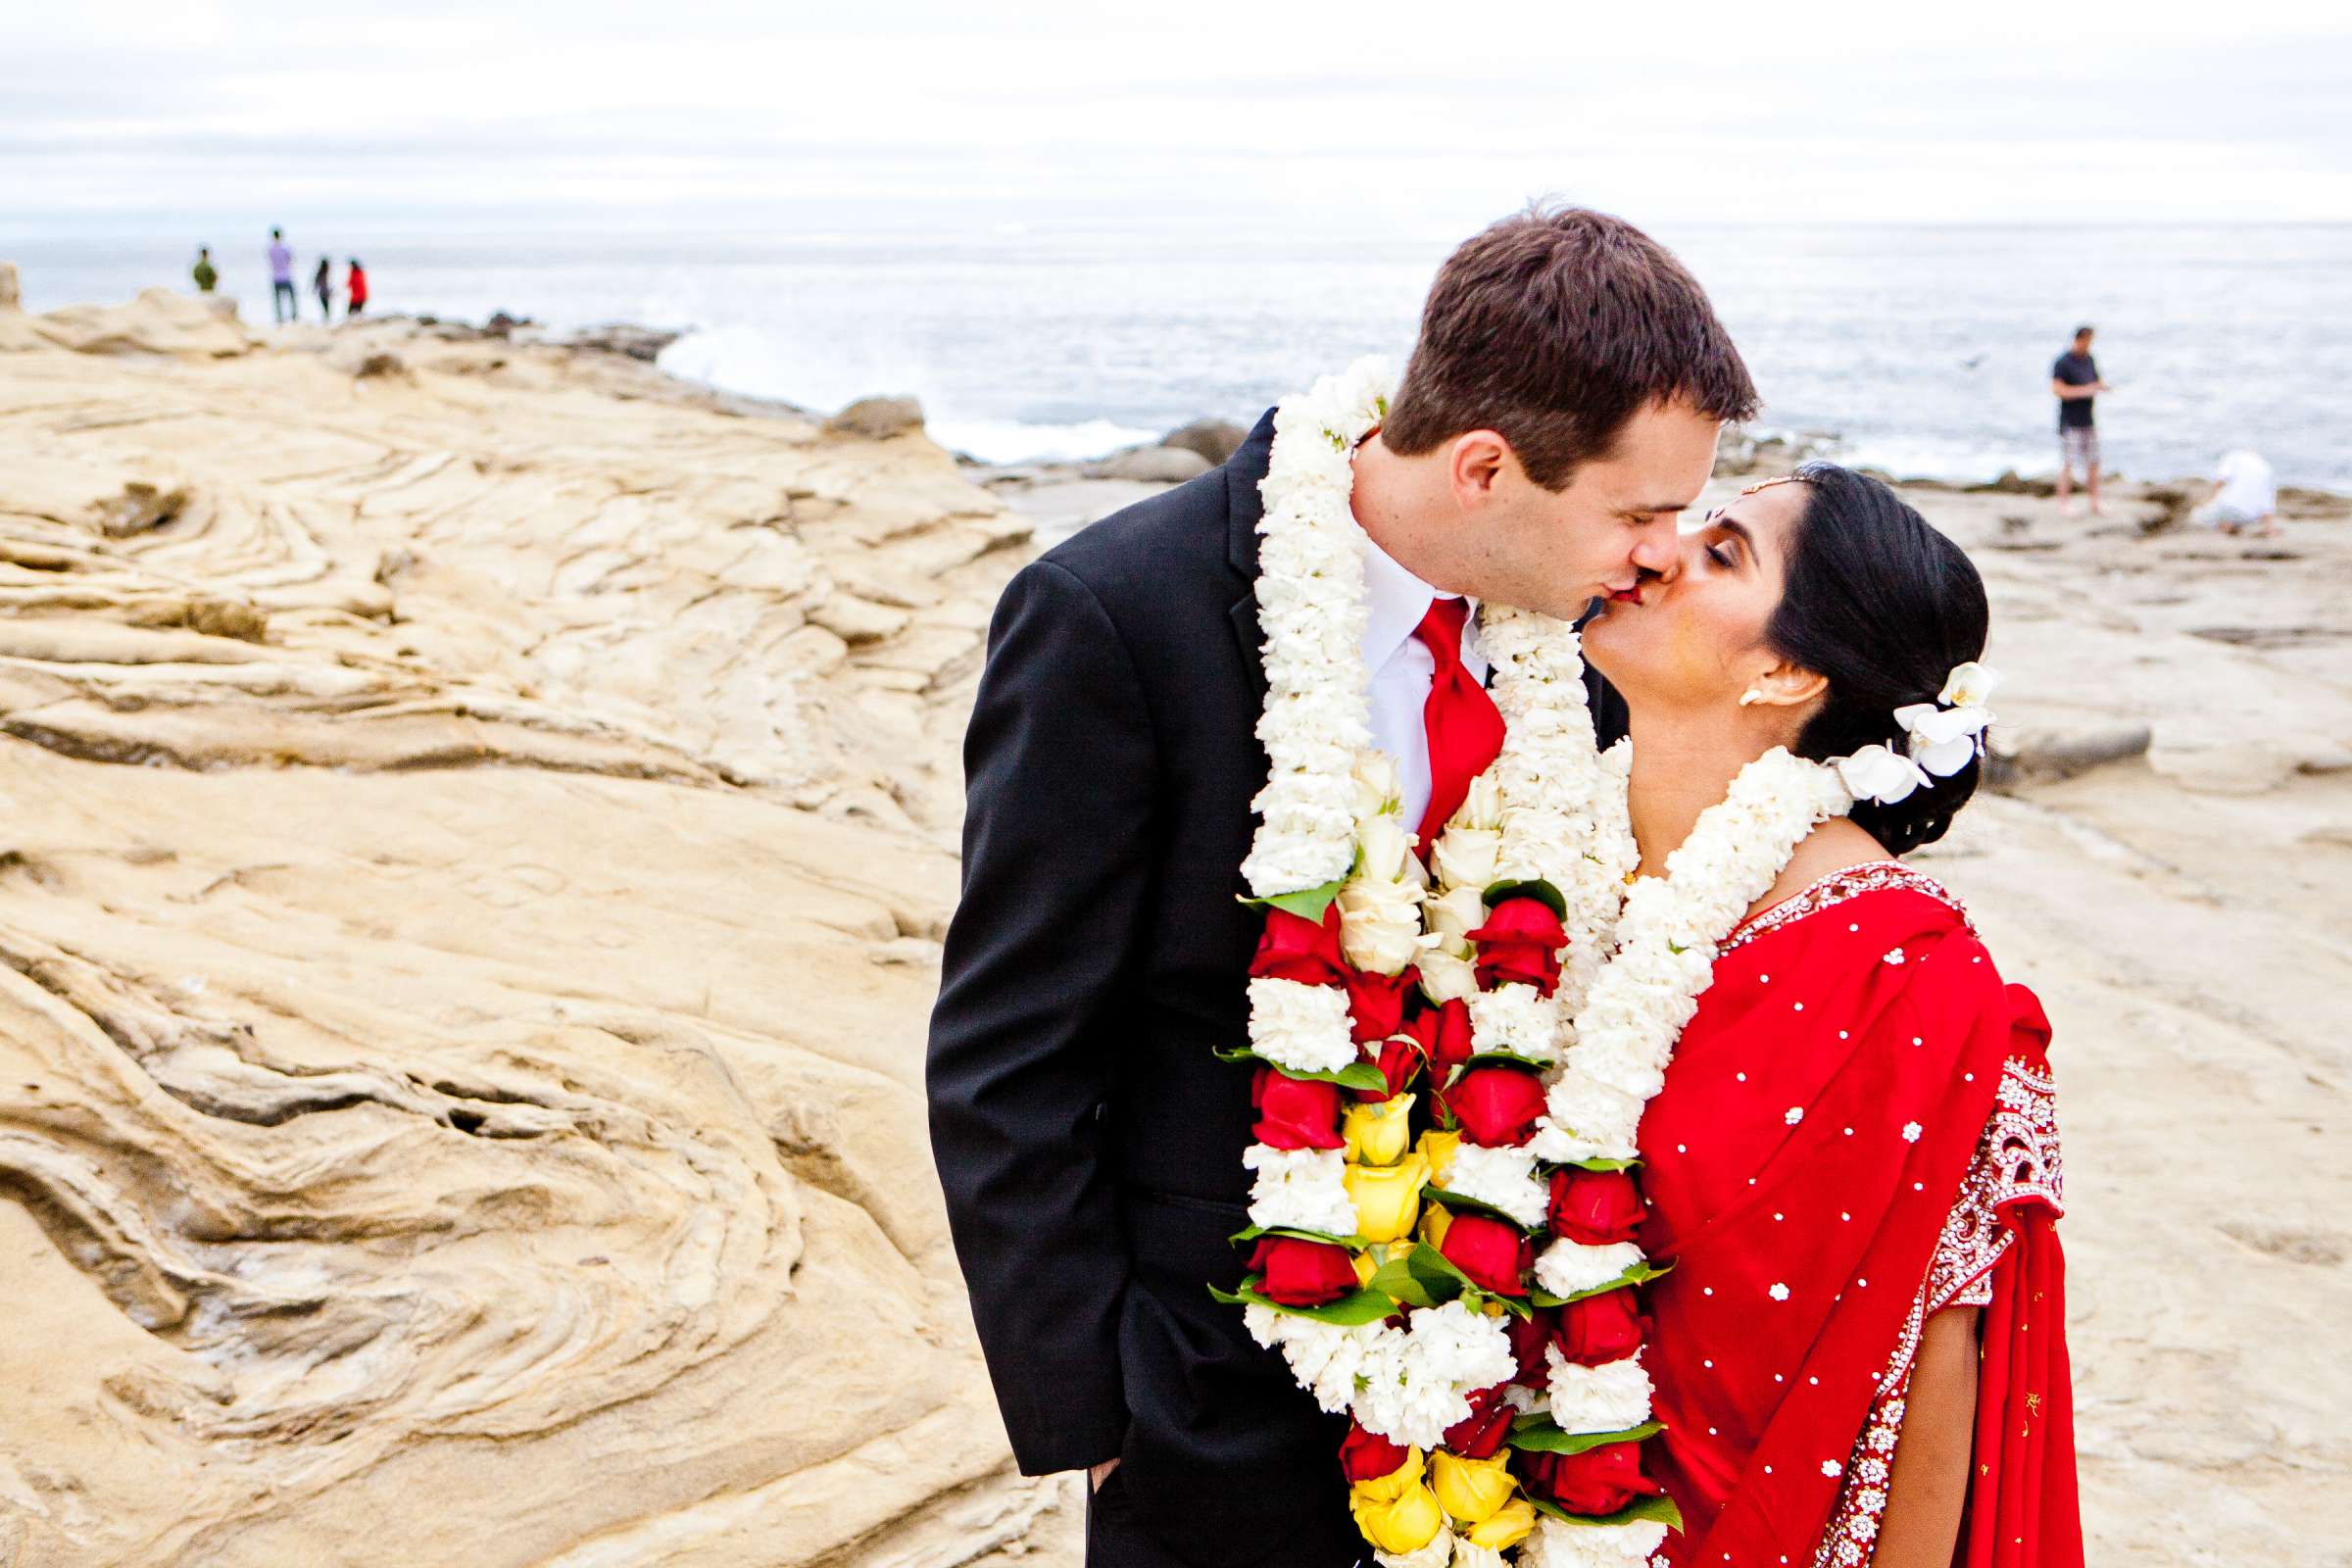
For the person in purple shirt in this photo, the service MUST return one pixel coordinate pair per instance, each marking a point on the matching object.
(281, 279)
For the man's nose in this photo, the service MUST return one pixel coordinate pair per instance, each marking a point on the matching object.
(1658, 548)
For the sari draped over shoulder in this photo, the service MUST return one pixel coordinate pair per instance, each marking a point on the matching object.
(1857, 1132)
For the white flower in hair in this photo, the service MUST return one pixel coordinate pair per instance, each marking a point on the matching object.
(1970, 685)
(1876, 773)
(1944, 740)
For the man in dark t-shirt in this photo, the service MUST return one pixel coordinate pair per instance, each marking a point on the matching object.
(2074, 378)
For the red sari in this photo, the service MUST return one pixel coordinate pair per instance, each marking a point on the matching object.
(1857, 1132)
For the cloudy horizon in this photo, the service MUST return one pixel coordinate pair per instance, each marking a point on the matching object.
(136, 112)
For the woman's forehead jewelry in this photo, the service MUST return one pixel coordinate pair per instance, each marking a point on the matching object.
(1766, 484)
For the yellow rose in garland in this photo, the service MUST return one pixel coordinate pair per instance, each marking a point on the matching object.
(1387, 1197)
(1397, 1512)
(1506, 1527)
(1378, 1133)
(1471, 1490)
(1437, 1149)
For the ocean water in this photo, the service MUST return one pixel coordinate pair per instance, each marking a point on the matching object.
(1922, 350)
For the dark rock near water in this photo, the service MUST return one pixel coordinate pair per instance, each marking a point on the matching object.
(2045, 756)
(877, 418)
(1740, 452)
(2011, 483)
(1151, 465)
(1215, 439)
(619, 338)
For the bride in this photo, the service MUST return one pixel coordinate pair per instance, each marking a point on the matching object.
(1859, 1356)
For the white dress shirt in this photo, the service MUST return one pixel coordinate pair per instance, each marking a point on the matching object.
(1401, 669)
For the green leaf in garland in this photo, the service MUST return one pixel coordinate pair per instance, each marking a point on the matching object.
(1355, 1075)
(1396, 1279)
(1540, 1434)
(1355, 1243)
(1364, 1306)
(1656, 1510)
(1483, 1057)
(1641, 1273)
(1541, 891)
(1308, 904)
(1605, 1164)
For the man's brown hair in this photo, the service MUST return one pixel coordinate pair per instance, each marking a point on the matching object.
(1554, 328)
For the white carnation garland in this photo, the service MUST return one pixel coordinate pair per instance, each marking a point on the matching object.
(1330, 815)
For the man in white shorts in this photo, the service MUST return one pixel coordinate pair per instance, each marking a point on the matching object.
(2074, 378)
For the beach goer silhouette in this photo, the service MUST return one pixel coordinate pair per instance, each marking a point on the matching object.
(354, 290)
(322, 284)
(203, 272)
(281, 279)
(2074, 378)
(2245, 495)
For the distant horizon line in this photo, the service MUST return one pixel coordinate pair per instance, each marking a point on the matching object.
(75, 225)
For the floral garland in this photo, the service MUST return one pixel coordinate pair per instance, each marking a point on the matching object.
(1496, 1396)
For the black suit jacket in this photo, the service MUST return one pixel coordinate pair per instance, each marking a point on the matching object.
(1089, 1142)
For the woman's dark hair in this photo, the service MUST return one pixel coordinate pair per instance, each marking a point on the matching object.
(1882, 606)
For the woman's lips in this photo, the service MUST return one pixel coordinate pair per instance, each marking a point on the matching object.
(1626, 596)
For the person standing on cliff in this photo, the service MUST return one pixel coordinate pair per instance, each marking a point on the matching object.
(203, 272)
(354, 289)
(281, 279)
(1083, 1131)
(322, 284)
(2074, 378)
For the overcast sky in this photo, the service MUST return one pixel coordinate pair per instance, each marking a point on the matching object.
(1429, 118)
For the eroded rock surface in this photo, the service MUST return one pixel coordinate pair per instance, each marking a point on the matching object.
(477, 840)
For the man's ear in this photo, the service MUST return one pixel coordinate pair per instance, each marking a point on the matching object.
(1787, 685)
(1477, 461)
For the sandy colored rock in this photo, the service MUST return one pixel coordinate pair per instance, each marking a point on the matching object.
(1215, 439)
(1153, 464)
(463, 974)
(877, 418)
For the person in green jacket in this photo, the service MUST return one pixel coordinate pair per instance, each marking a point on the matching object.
(203, 272)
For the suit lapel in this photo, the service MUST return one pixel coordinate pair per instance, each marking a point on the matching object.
(1243, 506)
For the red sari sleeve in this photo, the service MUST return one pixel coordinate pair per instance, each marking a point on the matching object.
(2022, 1508)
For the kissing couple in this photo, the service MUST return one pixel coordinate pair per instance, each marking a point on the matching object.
(1440, 1061)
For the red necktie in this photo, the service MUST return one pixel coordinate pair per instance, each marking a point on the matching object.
(1465, 730)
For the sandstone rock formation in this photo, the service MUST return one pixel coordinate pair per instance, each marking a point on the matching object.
(877, 418)
(477, 841)
(1215, 439)
(1152, 465)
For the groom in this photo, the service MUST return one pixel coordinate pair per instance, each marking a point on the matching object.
(1560, 409)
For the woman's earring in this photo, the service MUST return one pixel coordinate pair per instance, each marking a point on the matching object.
(1750, 696)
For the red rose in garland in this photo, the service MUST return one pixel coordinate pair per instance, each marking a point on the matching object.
(1445, 1036)
(1295, 1112)
(1293, 947)
(1595, 1206)
(1376, 1002)
(1529, 1335)
(1367, 1455)
(1600, 1328)
(1598, 1480)
(1492, 1251)
(1520, 941)
(1480, 1433)
(1301, 1273)
(1496, 1106)
(1399, 1059)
